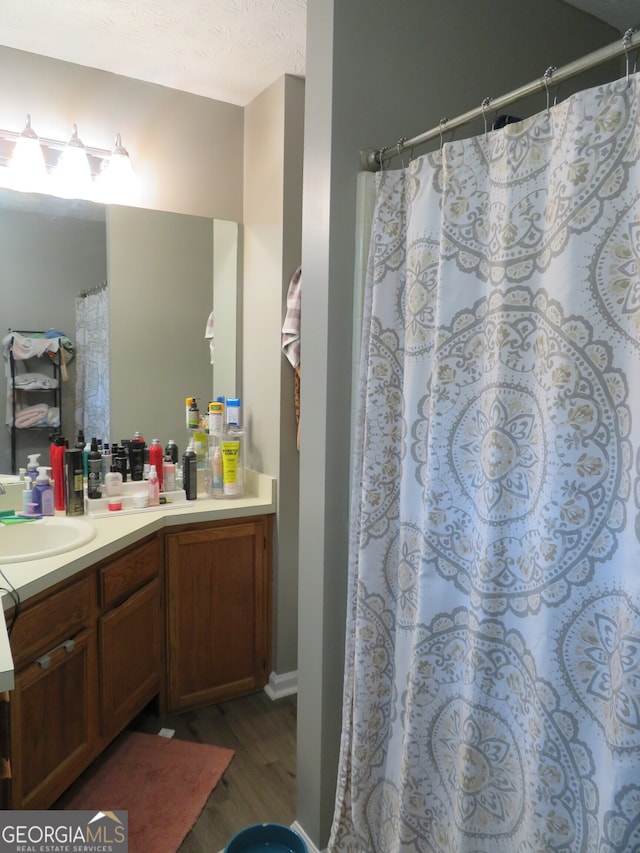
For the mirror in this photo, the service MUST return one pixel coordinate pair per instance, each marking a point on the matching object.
(165, 273)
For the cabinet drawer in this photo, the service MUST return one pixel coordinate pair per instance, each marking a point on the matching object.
(40, 627)
(129, 572)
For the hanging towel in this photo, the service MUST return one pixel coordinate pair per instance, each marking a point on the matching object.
(291, 337)
(208, 333)
(291, 325)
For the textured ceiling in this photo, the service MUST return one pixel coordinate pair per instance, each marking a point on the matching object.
(621, 14)
(230, 50)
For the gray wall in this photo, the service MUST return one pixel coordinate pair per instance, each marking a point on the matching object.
(160, 296)
(46, 261)
(186, 150)
(376, 71)
(272, 235)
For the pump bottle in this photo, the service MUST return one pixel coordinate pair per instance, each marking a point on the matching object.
(43, 498)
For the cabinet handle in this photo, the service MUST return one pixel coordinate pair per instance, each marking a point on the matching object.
(45, 660)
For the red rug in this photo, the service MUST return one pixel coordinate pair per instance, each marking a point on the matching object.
(162, 782)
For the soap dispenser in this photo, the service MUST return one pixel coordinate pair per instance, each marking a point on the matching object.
(32, 467)
(43, 498)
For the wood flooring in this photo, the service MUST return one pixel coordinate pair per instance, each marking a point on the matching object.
(259, 784)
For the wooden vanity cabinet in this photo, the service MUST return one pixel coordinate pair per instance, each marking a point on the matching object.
(129, 635)
(53, 705)
(88, 658)
(218, 606)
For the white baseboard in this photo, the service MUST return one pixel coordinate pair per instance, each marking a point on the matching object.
(295, 826)
(281, 685)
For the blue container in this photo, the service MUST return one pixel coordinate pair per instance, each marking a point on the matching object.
(266, 838)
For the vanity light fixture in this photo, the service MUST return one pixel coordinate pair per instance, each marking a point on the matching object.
(27, 166)
(70, 170)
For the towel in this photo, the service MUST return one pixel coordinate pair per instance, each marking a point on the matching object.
(208, 333)
(34, 381)
(24, 347)
(30, 416)
(291, 325)
(291, 338)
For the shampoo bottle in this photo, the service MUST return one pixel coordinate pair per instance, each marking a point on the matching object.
(43, 493)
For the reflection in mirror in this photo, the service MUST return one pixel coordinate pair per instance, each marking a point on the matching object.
(165, 273)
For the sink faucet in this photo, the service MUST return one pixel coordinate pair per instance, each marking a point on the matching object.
(3, 491)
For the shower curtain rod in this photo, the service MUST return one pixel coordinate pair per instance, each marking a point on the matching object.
(372, 159)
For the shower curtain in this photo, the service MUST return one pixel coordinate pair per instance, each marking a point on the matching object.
(492, 678)
(92, 413)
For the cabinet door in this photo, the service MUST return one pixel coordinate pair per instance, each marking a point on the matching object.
(218, 610)
(52, 709)
(130, 657)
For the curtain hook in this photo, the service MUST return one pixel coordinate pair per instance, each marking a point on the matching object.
(626, 44)
(399, 145)
(381, 154)
(546, 79)
(442, 125)
(485, 107)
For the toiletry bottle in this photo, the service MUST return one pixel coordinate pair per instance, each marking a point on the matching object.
(120, 463)
(190, 473)
(155, 458)
(136, 459)
(94, 471)
(27, 498)
(233, 413)
(216, 418)
(154, 487)
(217, 489)
(107, 460)
(193, 414)
(232, 449)
(85, 458)
(171, 452)
(43, 493)
(73, 481)
(112, 484)
(32, 467)
(80, 442)
(56, 455)
(169, 476)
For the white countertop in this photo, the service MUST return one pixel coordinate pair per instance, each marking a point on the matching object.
(117, 532)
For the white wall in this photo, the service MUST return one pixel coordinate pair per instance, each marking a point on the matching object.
(376, 71)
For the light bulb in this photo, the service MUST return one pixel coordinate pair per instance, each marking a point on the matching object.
(73, 173)
(117, 179)
(27, 168)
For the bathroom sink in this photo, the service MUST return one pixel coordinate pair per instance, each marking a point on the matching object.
(45, 537)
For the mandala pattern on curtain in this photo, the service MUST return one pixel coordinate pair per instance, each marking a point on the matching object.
(92, 371)
(492, 681)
